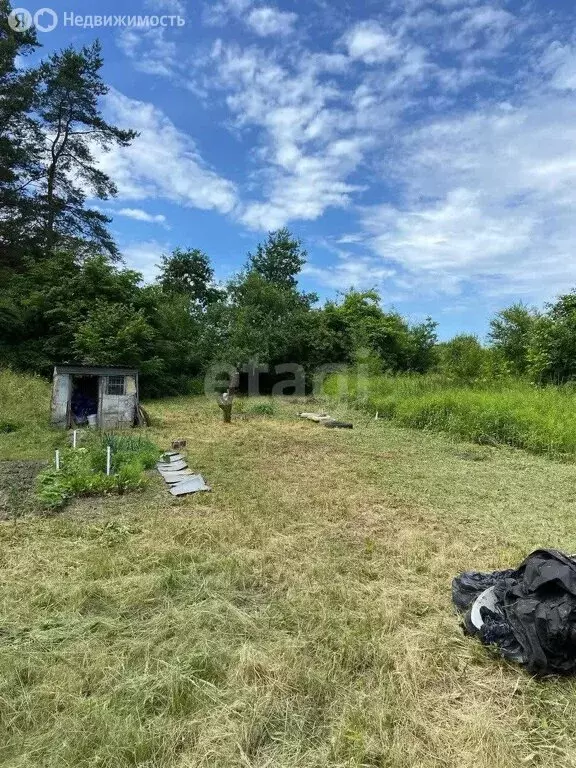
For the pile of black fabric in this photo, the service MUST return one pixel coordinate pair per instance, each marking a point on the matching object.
(531, 612)
(82, 406)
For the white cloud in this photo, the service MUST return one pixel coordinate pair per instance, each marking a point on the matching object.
(266, 21)
(168, 6)
(560, 61)
(308, 141)
(370, 43)
(150, 50)
(218, 13)
(163, 162)
(457, 232)
(484, 192)
(489, 198)
(144, 257)
(139, 215)
(350, 271)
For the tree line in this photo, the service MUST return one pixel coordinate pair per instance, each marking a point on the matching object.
(66, 297)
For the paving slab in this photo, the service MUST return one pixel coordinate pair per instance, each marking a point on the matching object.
(193, 484)
(170, 458)
(177, 477)
(172, 467)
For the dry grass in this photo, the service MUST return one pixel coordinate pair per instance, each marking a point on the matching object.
(298, 616)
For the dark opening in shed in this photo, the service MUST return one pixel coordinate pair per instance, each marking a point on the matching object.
(84, 399)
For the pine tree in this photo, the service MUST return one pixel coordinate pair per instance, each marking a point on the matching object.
(69, 110)
(20, 140)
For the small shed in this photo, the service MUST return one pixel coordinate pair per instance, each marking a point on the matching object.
(105, 397)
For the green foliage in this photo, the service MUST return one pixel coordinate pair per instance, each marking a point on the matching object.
(51, 122)
(463, 358)
(115, 334)
(60, 299)
(127, 446)
(264, 321)
(552, 352)
(359, 331)
(68, 105)
(263, 409)
(83, 470)
(538, 419)
(189, 273)
(20, 138)
(279, 260)
(7, 427)
(511, 334)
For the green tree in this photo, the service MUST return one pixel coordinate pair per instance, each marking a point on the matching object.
(511, 334)
(463, 358)
(115, 334)
(20, 140)
(552, 353)
(422, 346)
(189, 273)
(265, 321)
(51, 300)
(68, 106)
(279, 260)
(375, 332)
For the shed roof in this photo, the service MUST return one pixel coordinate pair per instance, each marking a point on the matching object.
(93, 370)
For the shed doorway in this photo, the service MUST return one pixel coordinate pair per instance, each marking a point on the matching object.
(84, 398)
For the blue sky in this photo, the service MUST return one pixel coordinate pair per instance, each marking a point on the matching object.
(423, 148)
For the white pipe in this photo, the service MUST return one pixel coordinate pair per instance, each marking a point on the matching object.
(57, 460)
(108, 452)
(74, 439)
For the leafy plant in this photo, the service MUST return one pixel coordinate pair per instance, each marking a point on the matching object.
(83, 470)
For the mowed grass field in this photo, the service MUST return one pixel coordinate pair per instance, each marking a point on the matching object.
(298, 616)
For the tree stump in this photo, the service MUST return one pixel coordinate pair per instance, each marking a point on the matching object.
(226, 400)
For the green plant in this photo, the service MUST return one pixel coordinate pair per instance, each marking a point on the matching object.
(52, 489)
(130, 478)
(83, 470)
(508, 411)
(263, 409)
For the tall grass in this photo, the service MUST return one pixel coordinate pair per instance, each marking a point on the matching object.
(25, 430)
(24, 399)
(515, 413)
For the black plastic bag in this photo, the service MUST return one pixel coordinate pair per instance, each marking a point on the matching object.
(533, 615)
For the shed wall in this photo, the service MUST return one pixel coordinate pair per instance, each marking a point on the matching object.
(118, 410)
(61, 392)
